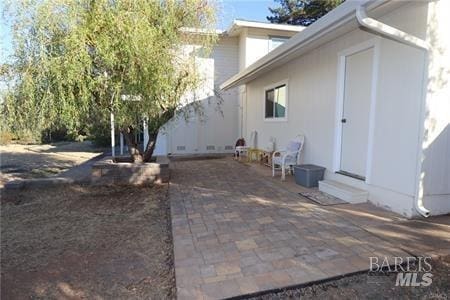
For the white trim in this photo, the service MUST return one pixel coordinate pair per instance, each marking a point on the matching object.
(339, 111)
(373, 105)
(273, 86)
(237, 25)
(340, 89)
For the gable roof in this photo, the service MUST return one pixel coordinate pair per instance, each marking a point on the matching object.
(337, 22)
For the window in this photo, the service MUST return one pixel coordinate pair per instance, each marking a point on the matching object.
(275, 41)
(275, 106)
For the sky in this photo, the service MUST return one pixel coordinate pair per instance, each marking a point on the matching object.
(251, 10)
(228, 10)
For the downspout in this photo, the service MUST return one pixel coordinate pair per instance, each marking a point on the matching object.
(389, 31)
(392, 33)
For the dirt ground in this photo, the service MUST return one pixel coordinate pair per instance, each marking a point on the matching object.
(86, 242)
(37, 161)
(365, 286)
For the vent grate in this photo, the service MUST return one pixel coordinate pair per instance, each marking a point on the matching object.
(181, 148)
(229, 147)
(210, 147)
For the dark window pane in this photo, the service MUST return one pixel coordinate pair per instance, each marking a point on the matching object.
(269, 103)
(280, 101)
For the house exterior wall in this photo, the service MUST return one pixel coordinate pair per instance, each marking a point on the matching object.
(255, 43)
(434, 175)
(218, 127)
(242, 49)
(215, 128)
(395, 114)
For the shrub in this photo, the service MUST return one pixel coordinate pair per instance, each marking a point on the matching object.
(6, 137)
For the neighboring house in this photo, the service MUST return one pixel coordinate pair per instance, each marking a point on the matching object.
(218, 128)
(372, 97)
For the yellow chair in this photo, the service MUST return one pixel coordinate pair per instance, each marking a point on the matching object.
(253, 154)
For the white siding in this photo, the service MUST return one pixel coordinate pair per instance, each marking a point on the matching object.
(257, 46)
(435, 172)
(255, 43)
(312, 109)
(220, 128)
(216, 128)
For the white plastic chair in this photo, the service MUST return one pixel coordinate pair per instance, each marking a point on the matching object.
(243, 150)
(288, 157)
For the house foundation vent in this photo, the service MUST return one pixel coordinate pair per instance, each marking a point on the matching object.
(210, 147)
(181, 148)
(229, 147)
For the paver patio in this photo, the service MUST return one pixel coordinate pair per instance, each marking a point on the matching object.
(236, 232)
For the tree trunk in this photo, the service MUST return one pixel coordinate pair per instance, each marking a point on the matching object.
(128, 134)
(150, 147)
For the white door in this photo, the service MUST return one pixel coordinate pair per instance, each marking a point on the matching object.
(356, 110)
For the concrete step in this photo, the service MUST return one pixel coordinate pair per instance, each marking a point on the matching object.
(343, 191)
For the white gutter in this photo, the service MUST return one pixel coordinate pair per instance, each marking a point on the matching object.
(410, 40)
(389, 31)
(338, 17)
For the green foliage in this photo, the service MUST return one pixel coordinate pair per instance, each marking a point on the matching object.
(76, 61)
(97, 130)
(301, 12)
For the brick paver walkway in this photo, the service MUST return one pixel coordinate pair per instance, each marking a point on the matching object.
(237, 233)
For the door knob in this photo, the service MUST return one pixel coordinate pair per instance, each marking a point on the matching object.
(344, 120)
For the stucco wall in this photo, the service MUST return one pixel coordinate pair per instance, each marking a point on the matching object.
(312, 81)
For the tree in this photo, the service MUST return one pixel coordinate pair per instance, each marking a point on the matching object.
(301, 12)
(77, 59)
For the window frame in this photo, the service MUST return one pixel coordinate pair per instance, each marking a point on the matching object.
(273, 87)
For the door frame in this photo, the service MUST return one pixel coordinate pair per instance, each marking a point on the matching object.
(342, 56)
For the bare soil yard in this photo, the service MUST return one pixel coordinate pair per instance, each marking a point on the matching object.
(86, 242)
(36, 161)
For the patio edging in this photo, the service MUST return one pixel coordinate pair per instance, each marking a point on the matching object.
(306, 284)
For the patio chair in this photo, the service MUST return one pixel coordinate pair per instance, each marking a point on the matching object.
(288, 157)
(240, 148)
(245, 150)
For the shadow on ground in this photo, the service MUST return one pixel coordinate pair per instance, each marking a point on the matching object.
(238, 232)
(41, 161)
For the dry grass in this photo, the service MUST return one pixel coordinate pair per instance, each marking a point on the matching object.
(19, 161)
(86, 242)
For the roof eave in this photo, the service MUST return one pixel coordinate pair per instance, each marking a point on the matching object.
(237, 25)
(326, 25)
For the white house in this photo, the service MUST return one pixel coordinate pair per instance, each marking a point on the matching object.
(217, 130)
(368, 86)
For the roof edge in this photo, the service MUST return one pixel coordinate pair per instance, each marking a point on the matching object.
(238, 24)
(334, 19)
